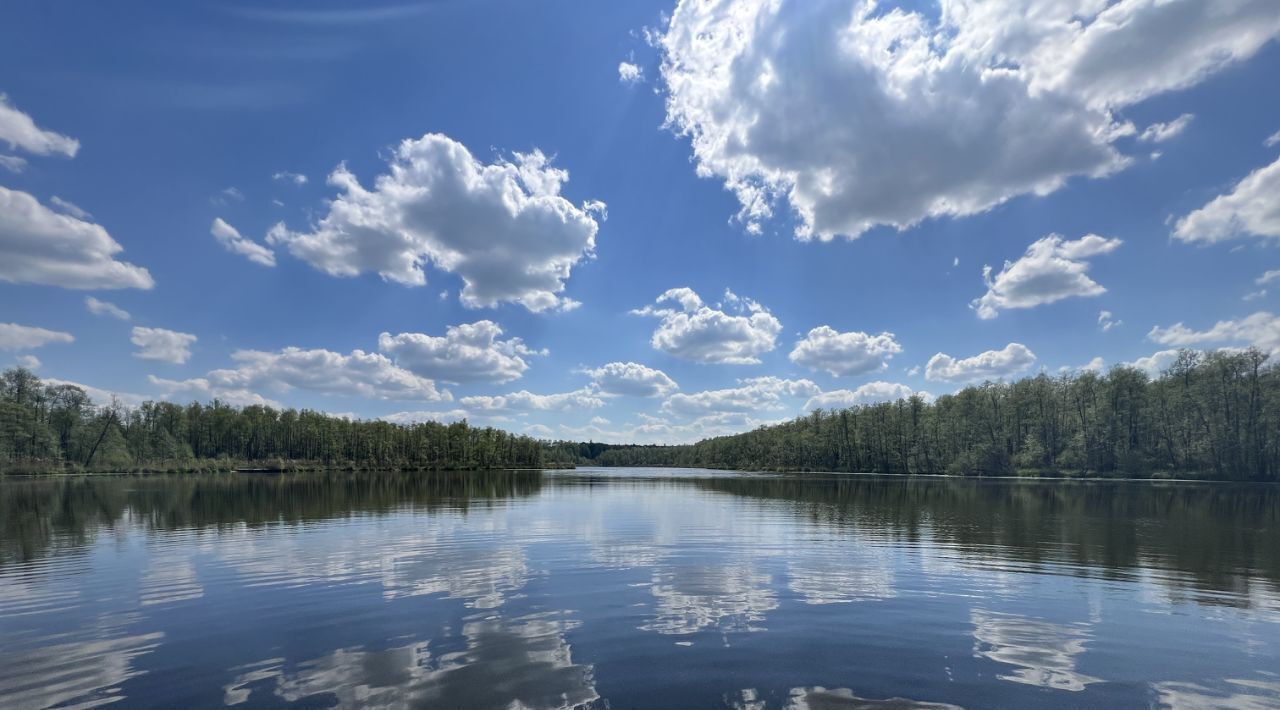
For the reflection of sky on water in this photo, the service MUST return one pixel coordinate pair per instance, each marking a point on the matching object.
(1046, 654)
(520, 663)
(478, 605)
(820, 698)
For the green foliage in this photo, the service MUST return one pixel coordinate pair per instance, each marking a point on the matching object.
(58, 428)
(1214, 416)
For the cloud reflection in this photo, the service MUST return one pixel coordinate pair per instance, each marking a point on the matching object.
(820, 698)
(730, 597)
(1045, 653)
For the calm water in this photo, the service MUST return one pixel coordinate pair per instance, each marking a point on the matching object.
(636, 588)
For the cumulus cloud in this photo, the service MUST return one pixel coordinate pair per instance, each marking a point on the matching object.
(20, 132)
(1107, 321)
(465, 353)
(630, 73)
(358, 374)
(232, 241)
(631, 379)
(421, 416)
(286, 176)
(105, 308)
(98, 395)
(523, 402)
(869, 393)
(990, 365)
(30, 362)
(25, 337)
(40, 246)
(163, 345)
(843, 354)
(1161, 132)
(1156, 363)
(751, 395)
(1097, 364)
(1251, 209)
(1261, 330)
(502, 227)
(1051, 270)
(859, 115)
(201, 389)
(692, 330)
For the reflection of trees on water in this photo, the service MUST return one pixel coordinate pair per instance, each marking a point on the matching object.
(518, 663)
(1213, 537)
(47, 516)
(820, 698)
(1044, 654)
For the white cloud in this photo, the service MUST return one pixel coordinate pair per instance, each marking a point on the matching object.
(69, 207)
(541, 431)
(1051, 270)
(1272, 139)
(700, 333)
(1161, 132)
(844, 354)
(232, 241)
(98, 395)
(19, 131)
(630, 73)
(419, 417)
(105, 308)
(860, 115)
(990, 365)
(359, 374)
(163, 345)
(40, 246)
(1251, 209)
(1261, 330)
(1155, 363)
(523, 402)
(503, 228)
(466, 353)
(13, 163)
(1107, 321)
(25, 337)
(286, 176)
(869, 393)
(200, 389)
(1097, 364)
(1255, 295)
(226, 196)
(752, 395)
(631, 379)
(30, 362)
(1268, 277)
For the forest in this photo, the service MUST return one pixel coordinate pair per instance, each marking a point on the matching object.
(1213, 416)
(52, 428)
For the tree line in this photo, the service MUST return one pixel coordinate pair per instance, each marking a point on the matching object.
(47, 427)
(1214, 415)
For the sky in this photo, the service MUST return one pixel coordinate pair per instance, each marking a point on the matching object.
(629, 222)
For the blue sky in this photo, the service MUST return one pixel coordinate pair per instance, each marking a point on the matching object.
(844, 171)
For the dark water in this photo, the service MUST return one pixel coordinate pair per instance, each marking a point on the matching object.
(631, 588)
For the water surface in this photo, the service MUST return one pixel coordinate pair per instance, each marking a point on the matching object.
(636, 588)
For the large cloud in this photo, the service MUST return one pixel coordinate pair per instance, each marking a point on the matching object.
(466, 353)
(20, 132)
(502, 227)
(750, 396)
(358, 374)
(1262, 330)
(869, 393)
(990, 365)
(631, 379)
(1251, 209)
(40, 246)
(842, 354)
(25, 337)
(523, 402)
(860, 115)
(162, 344)
(1051, 270)
(231, 240)
(697, 332)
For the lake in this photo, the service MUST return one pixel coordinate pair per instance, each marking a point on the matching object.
(621, 588)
